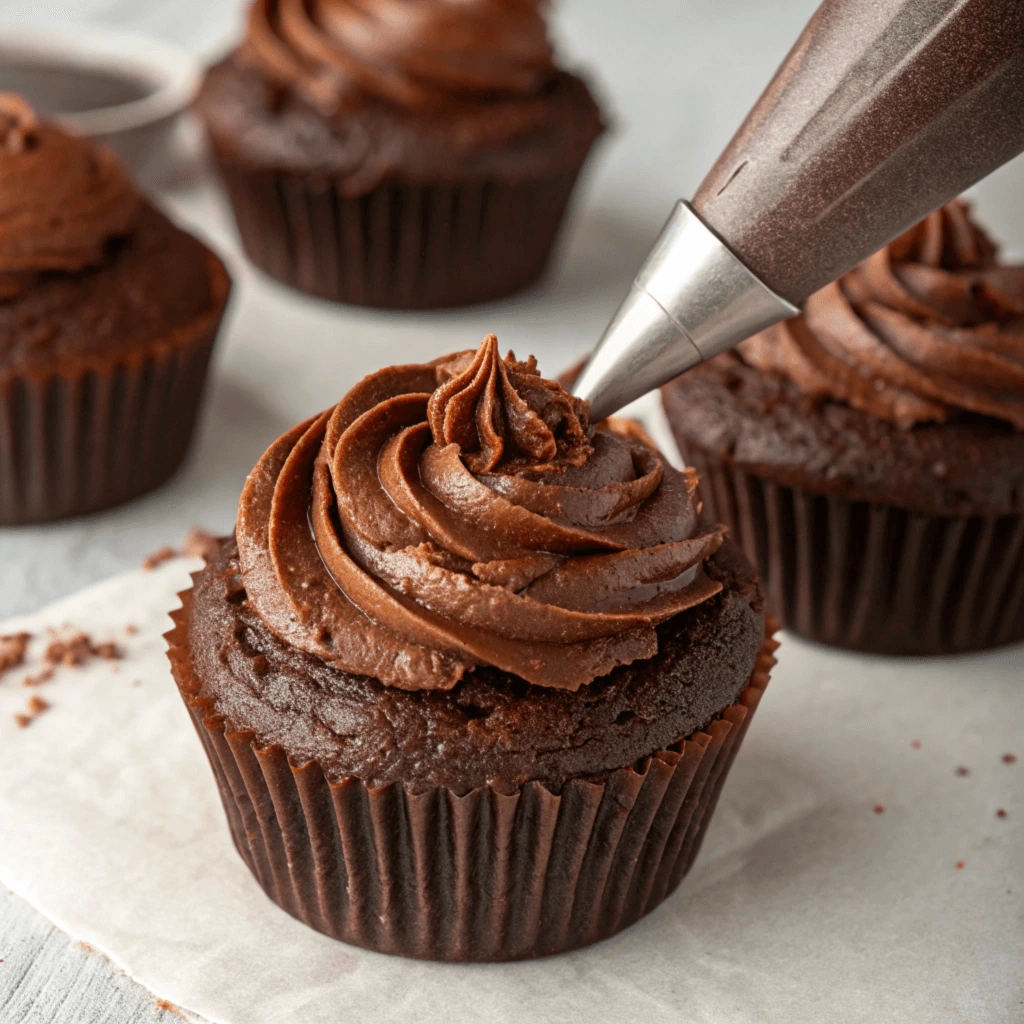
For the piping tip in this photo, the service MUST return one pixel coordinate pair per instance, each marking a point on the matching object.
(693, 299)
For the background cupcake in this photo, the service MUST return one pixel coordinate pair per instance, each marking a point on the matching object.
(418, 153)
(108, 314)
(869, 454)
(483, 710)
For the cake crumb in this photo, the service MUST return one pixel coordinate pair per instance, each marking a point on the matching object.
(39, 678)
(158, 557)
(199, 543)
(915, 744)
(962, 770)
(879, 809)
(131, 629)
(1001, 813)
(78, 649)
(960, 865)
(1009, 758)
(35, 707)
(166, 1004)
(12, 651)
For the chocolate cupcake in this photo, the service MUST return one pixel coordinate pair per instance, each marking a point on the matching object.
(472, 672)
(108, 313)
(409, 154)
(869, 454)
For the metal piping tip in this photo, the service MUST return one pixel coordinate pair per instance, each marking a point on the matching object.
(692, 300)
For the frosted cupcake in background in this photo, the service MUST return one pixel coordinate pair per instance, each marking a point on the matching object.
(399, 153)
(869, 454)
(108, 315)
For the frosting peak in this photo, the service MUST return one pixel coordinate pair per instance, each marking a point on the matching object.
(501, 412)
(411, 53)
(930, 326)
(464, 513)
(62, 199)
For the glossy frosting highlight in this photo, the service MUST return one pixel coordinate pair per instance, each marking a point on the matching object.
(417, 54)
(62, 199)
(464, 513)
(930, 326)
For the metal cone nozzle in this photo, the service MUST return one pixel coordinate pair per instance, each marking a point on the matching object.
(692, 300)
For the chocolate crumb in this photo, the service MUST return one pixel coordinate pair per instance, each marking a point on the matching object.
(962, 770)
(39, 678)
(1009, 758)
(158, 557)
(23, 721)
(165, 1004)
(12, 650)
(199, 543)
(36, 705)
(1001, 813)
(915, 744)
(960, 865)
(78, 649)
(879, 809)
(130, 629)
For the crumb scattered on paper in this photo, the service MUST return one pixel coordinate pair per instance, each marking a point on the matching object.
(78, 649)
(35, 707)
(1001, 813)
(158, 557)
(960, 865)
(879, 809)
(962, 770)
(131, 629)
(165, 1004)
(1009, 758)
(12, 651)
(38, 678)
(915, 744)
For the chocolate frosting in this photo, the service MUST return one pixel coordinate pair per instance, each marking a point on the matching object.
(419, 54)
(465, 513)
(929, 326)
(62, 199)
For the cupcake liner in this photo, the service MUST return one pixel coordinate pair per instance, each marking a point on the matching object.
(481, 876)
(872, 577)
(402, 245)
(96, 432)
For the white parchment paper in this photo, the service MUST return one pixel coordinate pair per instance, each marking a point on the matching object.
(805, 904)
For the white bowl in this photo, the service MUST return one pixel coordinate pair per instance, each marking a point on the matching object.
(122, 89)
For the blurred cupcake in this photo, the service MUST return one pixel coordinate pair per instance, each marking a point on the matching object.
(869, 454)
(472, 672)
(108, 313)
(399, 153)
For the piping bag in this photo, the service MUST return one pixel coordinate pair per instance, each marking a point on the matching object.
(883, 111)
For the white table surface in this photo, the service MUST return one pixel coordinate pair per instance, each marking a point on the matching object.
(677, 76)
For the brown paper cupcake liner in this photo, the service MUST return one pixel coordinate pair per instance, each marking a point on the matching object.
(481, 876)
(403, 245)
(99, 431)
(873, 577)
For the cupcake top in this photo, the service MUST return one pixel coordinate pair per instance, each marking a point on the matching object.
(926, 329)
(417, 54)
(62, 199)
(466, 513)
(88, 268)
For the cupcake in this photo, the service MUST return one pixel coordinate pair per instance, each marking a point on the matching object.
(869, 454)
(404, 154)
(108, 313)
(472, 671)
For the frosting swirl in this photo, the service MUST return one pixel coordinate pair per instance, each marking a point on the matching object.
(62, 199)
(411, 53)
(465, 513)
(927, 327)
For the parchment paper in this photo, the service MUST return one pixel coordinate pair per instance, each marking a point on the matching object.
(805, 904)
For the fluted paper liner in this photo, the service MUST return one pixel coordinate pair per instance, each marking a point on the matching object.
(481, 876)
(102, 430)
(868, 576)
(400, 246)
